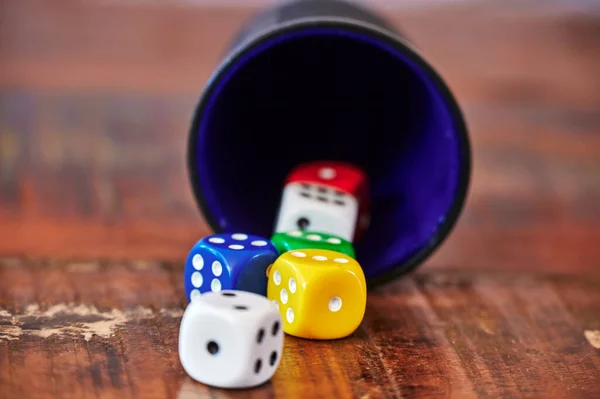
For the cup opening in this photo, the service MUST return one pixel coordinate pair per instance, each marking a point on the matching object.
(343, 93)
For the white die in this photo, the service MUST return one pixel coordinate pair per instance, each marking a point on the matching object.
(231, 339)
(327, 210)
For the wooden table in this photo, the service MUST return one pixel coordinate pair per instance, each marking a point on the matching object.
(96, 215)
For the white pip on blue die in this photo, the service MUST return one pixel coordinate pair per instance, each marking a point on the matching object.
(231, 339)
(228, 261)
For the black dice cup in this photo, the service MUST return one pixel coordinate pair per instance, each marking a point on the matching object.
(329, 80)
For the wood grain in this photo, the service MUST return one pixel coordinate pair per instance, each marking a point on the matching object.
(110, 330)
(93, 128)
(96, 213)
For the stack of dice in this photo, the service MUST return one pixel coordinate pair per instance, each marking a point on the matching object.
(246, 291)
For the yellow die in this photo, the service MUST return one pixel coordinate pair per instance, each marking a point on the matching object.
(321, 294)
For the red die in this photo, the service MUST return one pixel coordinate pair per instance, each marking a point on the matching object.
(327, 196)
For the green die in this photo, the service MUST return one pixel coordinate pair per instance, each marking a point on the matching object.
(297, 239)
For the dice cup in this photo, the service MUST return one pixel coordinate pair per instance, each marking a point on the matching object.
(329, 80)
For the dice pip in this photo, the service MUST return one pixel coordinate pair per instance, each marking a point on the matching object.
(331, 197)
(231, 339)
(320, 294)
(302, 239)
(228, 261)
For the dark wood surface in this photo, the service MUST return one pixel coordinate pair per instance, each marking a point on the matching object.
(74, 330)
(96, 214)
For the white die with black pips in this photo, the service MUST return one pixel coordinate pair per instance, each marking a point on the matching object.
(231, 339)
(318, 208)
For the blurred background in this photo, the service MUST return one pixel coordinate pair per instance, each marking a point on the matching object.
(97, 97)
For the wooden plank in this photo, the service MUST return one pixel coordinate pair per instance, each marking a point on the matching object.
(533, 182)
(534, 190)
(401, 320)
(136, 53)
(92, 167)
(451, 334)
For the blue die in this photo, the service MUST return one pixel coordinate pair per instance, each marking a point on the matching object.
(229, 262)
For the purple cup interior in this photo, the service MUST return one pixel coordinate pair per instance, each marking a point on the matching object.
(332, 94)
